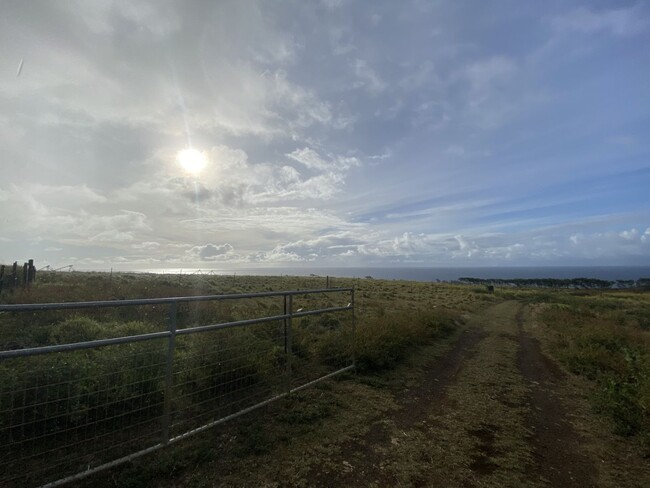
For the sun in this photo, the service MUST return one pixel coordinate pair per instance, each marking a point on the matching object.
(191, 160)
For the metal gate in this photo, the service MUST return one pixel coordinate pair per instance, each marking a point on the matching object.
(70, 407)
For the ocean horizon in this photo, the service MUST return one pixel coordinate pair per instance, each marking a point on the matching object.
(610, 273)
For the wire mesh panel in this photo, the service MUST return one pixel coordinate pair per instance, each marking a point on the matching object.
(94, 399)
(320, 345)
(221, 372)
(67, 412)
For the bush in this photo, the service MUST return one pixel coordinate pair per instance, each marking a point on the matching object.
(78, 329)
(385, 341)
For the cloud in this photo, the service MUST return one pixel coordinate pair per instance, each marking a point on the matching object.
(69, 214)
(146, 245)
(621, 22)
(630, 235)
(485, 73)
(532, 248)
(312, 160)
(419, 76)
(210, 252)
(327, 247)
(230, 181)
(367, 78)
(646, 236)
(474, 140)
(112, 236)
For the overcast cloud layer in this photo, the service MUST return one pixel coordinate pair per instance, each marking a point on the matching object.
(337, 133)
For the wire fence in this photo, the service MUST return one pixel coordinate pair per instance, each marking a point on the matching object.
(79, 395)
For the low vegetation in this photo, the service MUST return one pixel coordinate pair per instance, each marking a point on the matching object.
(572, 283)
(604, 337)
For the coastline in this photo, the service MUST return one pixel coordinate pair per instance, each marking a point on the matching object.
(429, 274)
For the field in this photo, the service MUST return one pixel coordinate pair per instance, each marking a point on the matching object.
(454, 386)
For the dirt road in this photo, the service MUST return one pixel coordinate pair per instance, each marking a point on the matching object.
(486, 414)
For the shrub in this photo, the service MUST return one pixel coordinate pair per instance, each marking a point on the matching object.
(78, 329)
(385, 341)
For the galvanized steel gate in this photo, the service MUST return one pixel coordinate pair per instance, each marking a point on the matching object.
(72, 409)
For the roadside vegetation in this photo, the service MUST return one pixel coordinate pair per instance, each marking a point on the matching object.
(605, 338)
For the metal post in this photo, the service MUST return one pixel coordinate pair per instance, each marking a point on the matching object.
(169, 371)
(354, 345)
(288, 340)
(285, 312)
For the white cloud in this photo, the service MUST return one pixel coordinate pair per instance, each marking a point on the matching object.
(630, 235)
(445, 109)
(146, 245)
(485, 73)
(328, 247)
(646, 236)
(112, 236)
(312, 160)
(211, 252)
(619, 22)
(367, 78)
(333, 4)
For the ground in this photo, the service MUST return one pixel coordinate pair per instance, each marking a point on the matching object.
(485, 414)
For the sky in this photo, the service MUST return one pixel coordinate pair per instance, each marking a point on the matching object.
(330, 133)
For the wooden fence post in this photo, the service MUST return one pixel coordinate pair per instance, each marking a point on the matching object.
(2, 275)
(31, 272)
(14, 275)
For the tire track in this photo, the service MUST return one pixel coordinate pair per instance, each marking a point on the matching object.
(416, 404)
(556, 446)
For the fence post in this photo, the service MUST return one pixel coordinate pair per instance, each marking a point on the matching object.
(2, 275)
(288, 310)
(284, 322)
(31, 272)
(354, 344)
(14, 275)
(169, 371)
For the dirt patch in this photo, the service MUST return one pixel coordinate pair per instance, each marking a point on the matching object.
(556, 446)
(429, 396)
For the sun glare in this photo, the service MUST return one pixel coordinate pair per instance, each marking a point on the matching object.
(191, 160)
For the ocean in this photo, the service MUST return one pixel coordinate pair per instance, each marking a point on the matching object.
(611, 273)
